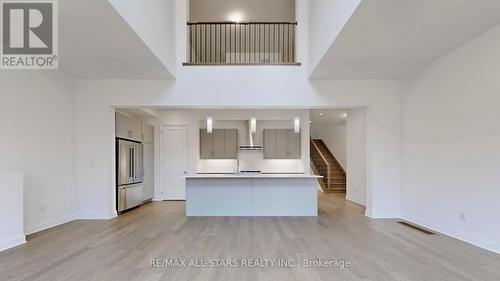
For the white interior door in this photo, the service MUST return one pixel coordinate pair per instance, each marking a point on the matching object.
(174, 160)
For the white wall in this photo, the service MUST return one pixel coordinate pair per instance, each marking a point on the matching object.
(254, 10)
(334, 136)
(154, 22)
(11, 210)
(356, 156)
(36, 113)
(451, 137)
(239, 87)
(327, 19)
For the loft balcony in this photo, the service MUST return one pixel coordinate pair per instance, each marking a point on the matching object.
(246, 32)
(249, 43)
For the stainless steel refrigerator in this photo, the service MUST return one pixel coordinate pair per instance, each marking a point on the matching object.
(129, 174)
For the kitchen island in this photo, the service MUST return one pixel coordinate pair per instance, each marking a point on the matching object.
(251, 195)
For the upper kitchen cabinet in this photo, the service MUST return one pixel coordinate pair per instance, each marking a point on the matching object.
(281, 144)
(220, 144)
(231, 143)
(147, 135)
(127, 127)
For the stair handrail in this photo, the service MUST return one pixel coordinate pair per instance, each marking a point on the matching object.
(337, 163)
(326, 162)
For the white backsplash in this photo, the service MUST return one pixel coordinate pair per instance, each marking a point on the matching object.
(219, 166)
(251, 161)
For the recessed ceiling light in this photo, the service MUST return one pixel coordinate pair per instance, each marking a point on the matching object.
(310, 121)
(321, 114)
(235, 17)
(344, 115)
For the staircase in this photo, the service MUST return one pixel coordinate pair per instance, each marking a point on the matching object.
(324, 163)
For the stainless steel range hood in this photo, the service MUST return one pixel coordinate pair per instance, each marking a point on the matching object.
(249, 144)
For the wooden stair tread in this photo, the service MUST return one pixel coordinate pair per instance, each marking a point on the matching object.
(324, 162)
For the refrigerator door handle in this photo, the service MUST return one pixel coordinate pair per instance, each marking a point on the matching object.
(131, 163)
(135, 162)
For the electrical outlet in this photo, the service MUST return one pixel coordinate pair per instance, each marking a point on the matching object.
(463, 216)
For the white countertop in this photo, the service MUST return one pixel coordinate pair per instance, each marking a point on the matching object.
(249, 175)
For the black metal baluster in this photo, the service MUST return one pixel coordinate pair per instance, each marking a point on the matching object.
(274, 42)
(216, 43)
(254, 42)
(198, 47)
(245, 43)
(287, 43)
(225, 42)
(283, 43)
(268, 42)
(195, 42)
(294, 58)
(291, 42)
(190, 43)
(205, 43)
(239, 37)
(212, 44)
(264, 42)
(231, 42)
(260, 37)
(209, 43)
(220, 43)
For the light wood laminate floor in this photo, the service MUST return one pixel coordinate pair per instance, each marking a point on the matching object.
(121, 248)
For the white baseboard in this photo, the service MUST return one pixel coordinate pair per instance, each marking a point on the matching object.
(95, 215)
(356, 201)
(47, 224)
(12, 241)
(157, 199)
(490, 246)
(113, 214)
(77, 216)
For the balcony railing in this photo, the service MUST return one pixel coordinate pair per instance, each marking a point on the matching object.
(249, 43)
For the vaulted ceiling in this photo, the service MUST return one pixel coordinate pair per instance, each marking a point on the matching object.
(96, 42)
(392, 38)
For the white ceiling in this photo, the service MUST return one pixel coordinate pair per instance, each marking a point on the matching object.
(392, 38)
(328, 116)
(95, 42)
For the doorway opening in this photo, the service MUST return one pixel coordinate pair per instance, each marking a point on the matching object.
(338, 151)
